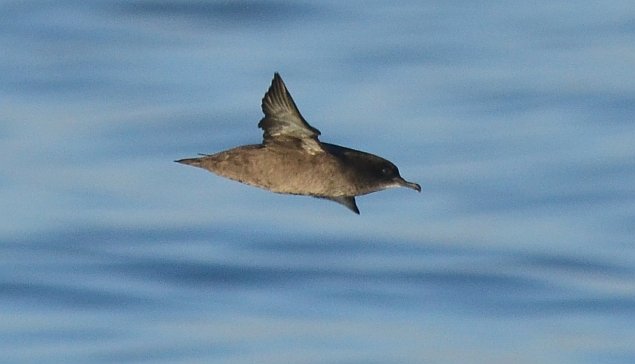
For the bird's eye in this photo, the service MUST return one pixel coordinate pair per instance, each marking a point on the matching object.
(385, 171)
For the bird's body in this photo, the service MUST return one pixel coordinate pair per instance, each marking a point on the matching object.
(291, 159)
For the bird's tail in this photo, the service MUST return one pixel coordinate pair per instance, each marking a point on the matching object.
(196, 162)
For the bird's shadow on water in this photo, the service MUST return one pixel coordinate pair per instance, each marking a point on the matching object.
(482, 281)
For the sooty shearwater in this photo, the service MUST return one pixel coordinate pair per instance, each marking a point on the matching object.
(291, 159)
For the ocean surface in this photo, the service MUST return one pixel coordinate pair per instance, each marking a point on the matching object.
(517, 118)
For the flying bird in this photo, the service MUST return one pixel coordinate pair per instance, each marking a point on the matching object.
(292, 160)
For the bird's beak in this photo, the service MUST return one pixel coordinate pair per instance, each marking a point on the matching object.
(402, 182)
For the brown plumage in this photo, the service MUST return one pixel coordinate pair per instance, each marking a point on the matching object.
(292, 160)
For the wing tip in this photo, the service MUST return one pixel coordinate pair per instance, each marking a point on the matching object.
(275, 94)
(346, 201)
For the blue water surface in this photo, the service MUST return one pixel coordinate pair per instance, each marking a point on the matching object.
(517, 118)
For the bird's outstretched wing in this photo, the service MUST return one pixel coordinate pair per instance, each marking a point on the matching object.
(283, 122)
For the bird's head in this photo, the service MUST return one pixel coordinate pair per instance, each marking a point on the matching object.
(387, 173)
